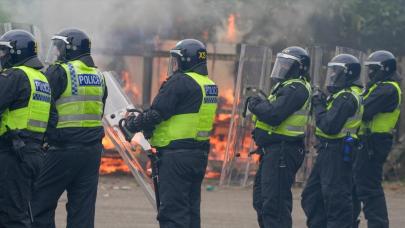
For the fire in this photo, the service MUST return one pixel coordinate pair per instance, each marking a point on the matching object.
(129, 87)
(113, 165)
(111, 162)
(107, 143)
(231, 32)
(229, 97)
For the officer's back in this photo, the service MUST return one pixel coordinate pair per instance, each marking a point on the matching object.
(74, 134)
(179, 124)
(24, 112)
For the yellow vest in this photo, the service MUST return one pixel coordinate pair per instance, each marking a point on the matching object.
(382, 122)
(197, 126)
(81, 104)
(296, 123)
(34, 117)
(353, 123)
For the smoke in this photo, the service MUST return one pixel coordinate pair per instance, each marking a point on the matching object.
(281, 23)
(119, 24)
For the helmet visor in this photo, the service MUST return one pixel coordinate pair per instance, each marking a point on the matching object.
(4, 51)
(57, 50)
(174, 64)
(283, 65)
(335, 76)
(372, 68)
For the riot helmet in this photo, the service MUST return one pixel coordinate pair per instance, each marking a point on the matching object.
(381, 66)
(68, 45)
(16, 48)
(343, 71)
(292, 62)
(187, 56)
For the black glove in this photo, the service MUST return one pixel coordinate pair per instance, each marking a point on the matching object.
(318, 98)
(151, 118)
(134, 123)
(254, 101)
(148, 133)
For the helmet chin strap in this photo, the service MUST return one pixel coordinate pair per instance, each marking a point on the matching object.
(5, 62)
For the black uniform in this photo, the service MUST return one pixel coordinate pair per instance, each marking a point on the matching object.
(272, 197)
(183, 162)
(17, 172)
(72, 164)
(327, 198)
(368, 171)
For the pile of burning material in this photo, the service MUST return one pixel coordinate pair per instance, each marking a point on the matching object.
(111, 161)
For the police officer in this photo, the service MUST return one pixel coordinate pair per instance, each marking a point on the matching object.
(24, 112)
(279, 135)
(179, 124)
(74, 134)
(327, 196)
(382, 100)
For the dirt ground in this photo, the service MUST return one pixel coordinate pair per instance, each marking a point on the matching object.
(121, 204)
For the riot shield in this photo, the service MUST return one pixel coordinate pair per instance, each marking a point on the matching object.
(134, 153)
(317, 62)
(253, 76)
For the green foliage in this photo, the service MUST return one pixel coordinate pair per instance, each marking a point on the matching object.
(360, 24)
(365, 24)
(3, 15)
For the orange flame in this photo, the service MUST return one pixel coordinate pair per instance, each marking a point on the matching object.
(231, 33)
(107, 143)
(218, 140)
(129, 87)
(113, 165)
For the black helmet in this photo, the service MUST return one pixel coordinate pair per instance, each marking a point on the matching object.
(381, 65)
(69, 44)
(187, 56)
(292, 62)
(16, 48)
(343, 71)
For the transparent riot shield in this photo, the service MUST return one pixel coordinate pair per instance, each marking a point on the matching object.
(134, 153)
(361, 56)
(253, 76)
(317, 62)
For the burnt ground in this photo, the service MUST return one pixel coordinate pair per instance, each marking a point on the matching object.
(121, 204)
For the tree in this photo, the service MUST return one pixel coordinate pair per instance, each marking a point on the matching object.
(362, 24)
(3, 15)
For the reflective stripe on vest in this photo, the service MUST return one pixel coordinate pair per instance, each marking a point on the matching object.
(34, 117)
(383, 122)
(81, 103)
(296, 123)
(353, 123)
(197, 126)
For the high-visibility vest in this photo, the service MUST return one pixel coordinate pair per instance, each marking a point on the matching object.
(295, 124)
(81, 104)
(197, 126)
(34, 117)
(382, 122)
(353, 123)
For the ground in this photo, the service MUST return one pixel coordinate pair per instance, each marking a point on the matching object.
(121, 204)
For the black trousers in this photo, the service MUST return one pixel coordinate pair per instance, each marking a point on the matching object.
(74, 169)
(368, 173)
(181, 173)
(16, 183)
(272, 197)
(327, 196)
